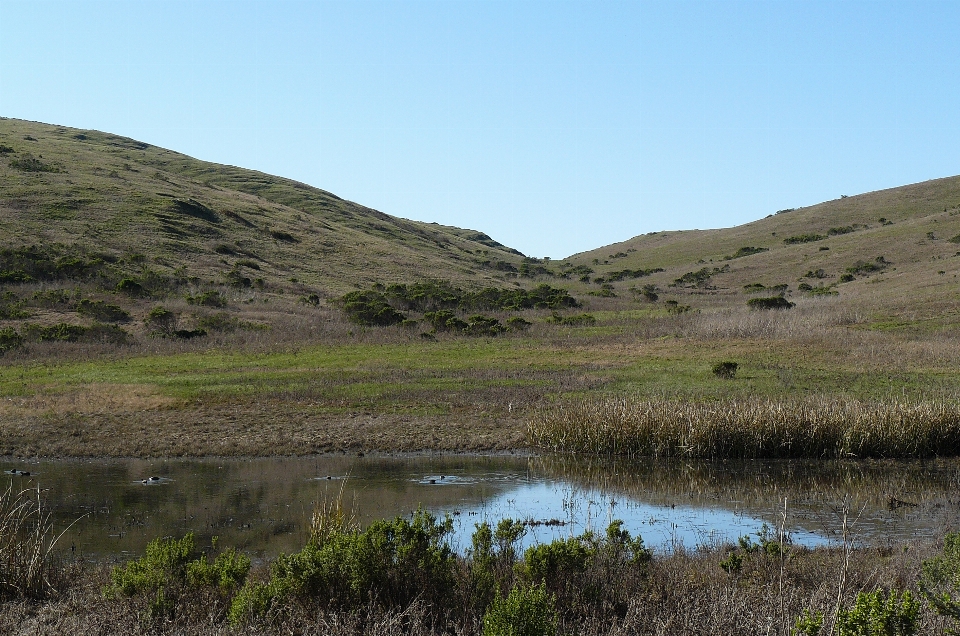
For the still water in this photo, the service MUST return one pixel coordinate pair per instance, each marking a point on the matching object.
(263, 506)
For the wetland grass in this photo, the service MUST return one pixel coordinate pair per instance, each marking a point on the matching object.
(27, 567)
(825, 427)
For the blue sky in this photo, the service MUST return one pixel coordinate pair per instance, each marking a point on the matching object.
(555, 127)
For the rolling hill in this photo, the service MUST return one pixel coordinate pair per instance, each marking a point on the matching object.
(895, 252)
(148, 206)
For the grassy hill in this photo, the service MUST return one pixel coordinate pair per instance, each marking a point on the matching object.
(833, 248)
(151, 207)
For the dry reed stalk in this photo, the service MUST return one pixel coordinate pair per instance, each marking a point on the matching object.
(26, 543)
(749, 428)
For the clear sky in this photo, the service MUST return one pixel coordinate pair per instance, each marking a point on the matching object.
(555, 127)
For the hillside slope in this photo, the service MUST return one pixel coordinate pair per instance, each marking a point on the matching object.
(134, 201)
(894, 251)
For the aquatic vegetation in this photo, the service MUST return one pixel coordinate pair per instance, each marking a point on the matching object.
(27, 566)
(748, 428)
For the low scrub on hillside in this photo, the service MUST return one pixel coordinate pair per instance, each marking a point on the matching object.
(442, 304)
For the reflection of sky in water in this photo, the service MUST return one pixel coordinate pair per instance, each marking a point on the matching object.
(542, 501)
(263, 506)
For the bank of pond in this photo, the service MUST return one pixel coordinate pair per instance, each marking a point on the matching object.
(467, 544)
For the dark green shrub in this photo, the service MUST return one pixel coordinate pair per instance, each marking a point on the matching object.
(189, 334)
(579, 320)
(311, 299)
(674, 307)
(846, 278)
(50, 298)
(208, 299)
(225, 249)
(940, 579)
(99, 310)
(516, 323)
(130, 287)
(61, 331)
(492, 557)
(746, 251)
(624, 274)
(866, 267)
(527, 611)
(393, 561)
(9, 339)
(480, 325)
(803, 238)
(170, 567)
(235, 278)
(161, 319)
(774, 302)
(444, 320)
(370, 308)
(29, 163)
(606, 291)
(699, 278)
(874, 615)
(725, 369)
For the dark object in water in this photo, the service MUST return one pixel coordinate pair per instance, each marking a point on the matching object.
(433, 481)
(895, 503)
(24, 473)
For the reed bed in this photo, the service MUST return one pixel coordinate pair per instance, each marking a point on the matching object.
(824, 427)
(27, 569)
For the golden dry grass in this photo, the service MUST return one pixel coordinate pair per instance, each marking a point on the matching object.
(749, 428)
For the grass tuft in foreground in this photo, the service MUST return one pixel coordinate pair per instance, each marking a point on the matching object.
(830, 427)
(27, 569)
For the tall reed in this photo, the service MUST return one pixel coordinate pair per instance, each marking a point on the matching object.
(27, 569)
(748, 427)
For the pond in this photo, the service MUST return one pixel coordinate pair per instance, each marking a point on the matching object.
(263, 506)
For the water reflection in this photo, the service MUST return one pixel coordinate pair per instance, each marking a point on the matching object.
(263, 506)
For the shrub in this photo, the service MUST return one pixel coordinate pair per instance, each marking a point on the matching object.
(370, 308)
(188, 334)
(726, 369)
(579, 320)
(846, 278)
(311, 299)
(444, 320)
(161, 320)
(803, 238)
(774, 302)
(516, 323)
(130, 287)
(208, 299)
(746, 251)
(9, 340)
(526, 611)
(872, 615)
(60, 331)
(170, 567)
(940, 579)
(699, 278)
(29, 163)
(100, 310)
(630, 273)
(226, 323)
(480, 325)
(674, 307)
(393, 561)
